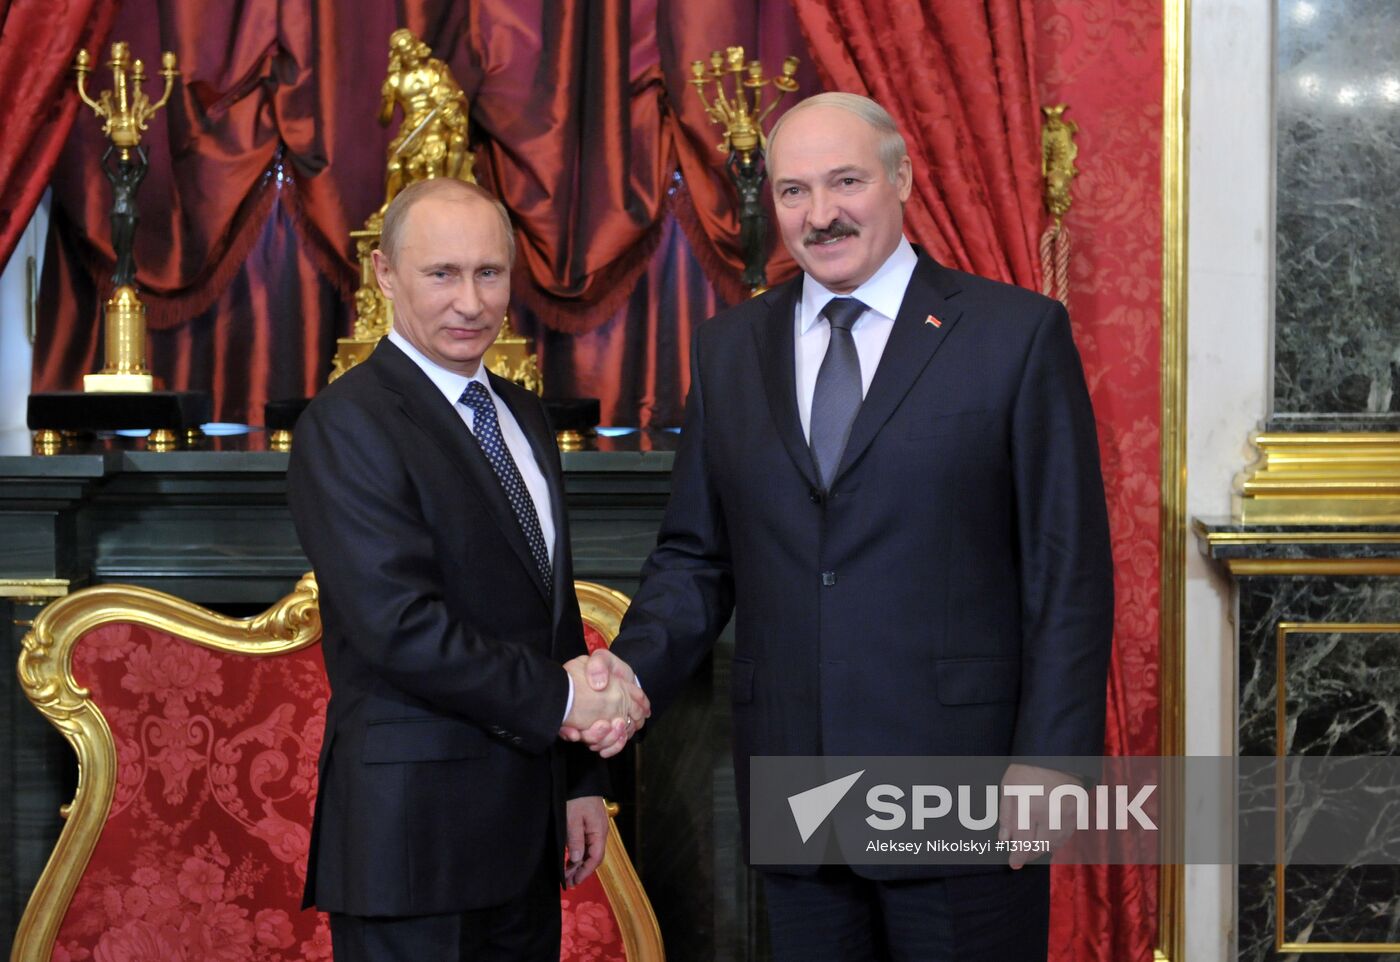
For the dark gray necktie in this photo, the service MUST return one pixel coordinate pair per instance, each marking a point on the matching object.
(837, 396)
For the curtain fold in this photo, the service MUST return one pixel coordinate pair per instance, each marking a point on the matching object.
(636, 362)
(38, 42)
(569, 103)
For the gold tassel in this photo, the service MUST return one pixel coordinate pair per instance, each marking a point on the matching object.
(1057, 155)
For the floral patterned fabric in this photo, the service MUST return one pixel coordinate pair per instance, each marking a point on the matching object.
(589, 931)
(1105, 61)
(203, 857)
(204, 854)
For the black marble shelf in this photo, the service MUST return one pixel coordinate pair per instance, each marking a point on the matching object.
(1333, 423)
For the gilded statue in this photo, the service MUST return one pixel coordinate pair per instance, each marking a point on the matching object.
(432, 142)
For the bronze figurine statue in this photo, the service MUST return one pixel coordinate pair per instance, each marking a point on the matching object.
(125, 170)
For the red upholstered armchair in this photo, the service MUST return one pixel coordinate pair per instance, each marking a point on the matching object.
(197, 737)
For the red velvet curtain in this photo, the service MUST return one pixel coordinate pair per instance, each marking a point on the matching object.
(960, 80)
(635, 362)
(38, 41)
(1106, 63)
(570, 99)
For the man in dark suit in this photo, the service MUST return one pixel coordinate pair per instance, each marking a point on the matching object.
(427, 494)
(889, 475)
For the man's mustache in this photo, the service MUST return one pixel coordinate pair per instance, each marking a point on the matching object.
(835, 231)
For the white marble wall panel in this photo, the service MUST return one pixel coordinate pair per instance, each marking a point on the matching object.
(1229, 360)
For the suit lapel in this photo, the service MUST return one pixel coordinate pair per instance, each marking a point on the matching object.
(424, 405)
(932, 292)
(778, 367)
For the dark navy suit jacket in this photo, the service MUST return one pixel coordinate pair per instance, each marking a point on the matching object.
(951, 594)
(441, 775)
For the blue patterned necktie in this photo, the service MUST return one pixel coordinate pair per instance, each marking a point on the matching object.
(487, 431)
(837, 395)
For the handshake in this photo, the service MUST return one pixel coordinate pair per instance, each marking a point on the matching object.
(609, 707)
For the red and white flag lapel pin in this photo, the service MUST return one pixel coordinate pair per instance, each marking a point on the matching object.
(933, 321)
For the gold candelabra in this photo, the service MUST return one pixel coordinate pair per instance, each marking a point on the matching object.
(124, 110)
(742, 114)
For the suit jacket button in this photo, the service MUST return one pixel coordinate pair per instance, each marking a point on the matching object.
(828, 579)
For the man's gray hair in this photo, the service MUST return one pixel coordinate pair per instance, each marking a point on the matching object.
(391, 234)
(891, 147)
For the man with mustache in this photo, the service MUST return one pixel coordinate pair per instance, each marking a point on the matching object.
(889, 476)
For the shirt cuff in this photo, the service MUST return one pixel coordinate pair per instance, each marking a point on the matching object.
(569, 705)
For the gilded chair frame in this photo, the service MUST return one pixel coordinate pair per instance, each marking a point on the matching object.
(46, 675)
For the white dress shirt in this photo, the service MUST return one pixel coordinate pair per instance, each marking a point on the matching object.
(881, 294)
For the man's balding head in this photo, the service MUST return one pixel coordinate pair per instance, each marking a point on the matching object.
(391, 234)
(890, 144)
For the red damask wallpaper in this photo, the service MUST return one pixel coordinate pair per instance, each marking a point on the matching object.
(1104, 59)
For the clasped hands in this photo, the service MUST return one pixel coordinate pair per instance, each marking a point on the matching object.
(609, 707)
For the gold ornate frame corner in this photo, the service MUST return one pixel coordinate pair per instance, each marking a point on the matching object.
(603, 608)
(46, 676)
